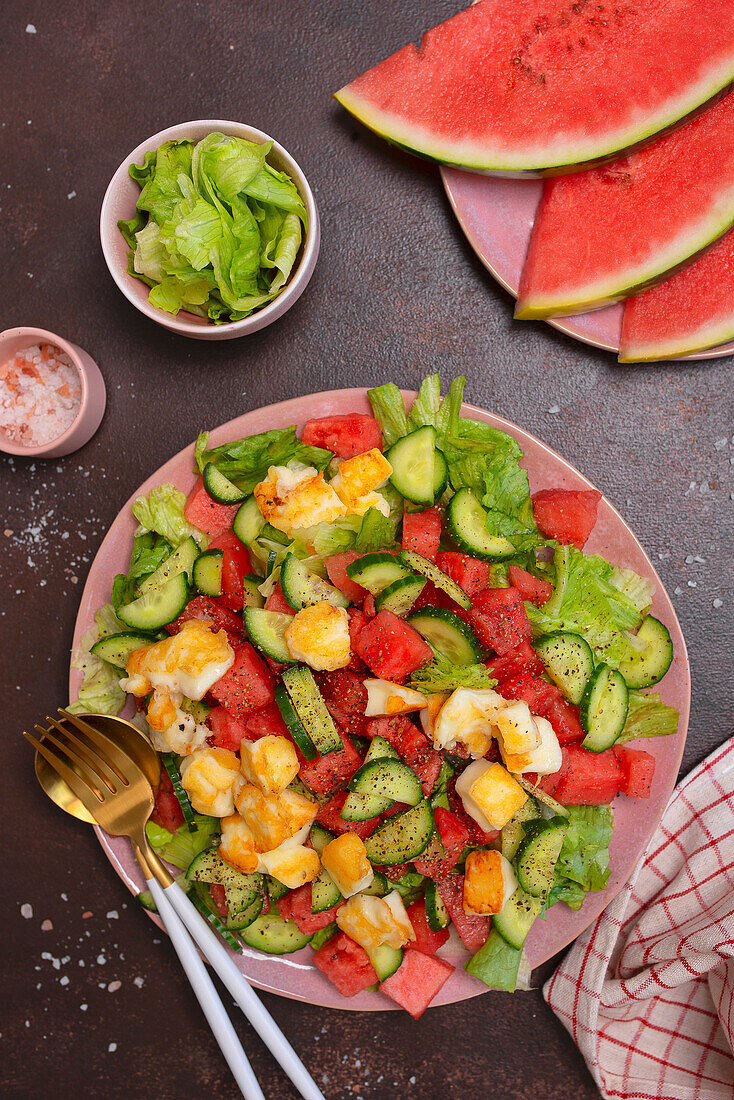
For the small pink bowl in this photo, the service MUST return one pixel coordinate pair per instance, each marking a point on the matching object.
(119, 203)
(91, 409)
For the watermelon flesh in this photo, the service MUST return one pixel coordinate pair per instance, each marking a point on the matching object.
(602, 234)
(540, 85)
(692, 311)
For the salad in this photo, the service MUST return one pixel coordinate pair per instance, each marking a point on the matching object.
(390, 691)
(217, 229)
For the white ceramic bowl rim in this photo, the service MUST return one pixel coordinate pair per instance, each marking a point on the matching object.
(43, 335)
(180, 131)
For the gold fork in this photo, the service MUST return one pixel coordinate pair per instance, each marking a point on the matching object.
(119, 796)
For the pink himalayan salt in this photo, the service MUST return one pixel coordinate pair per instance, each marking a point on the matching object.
(40, 395)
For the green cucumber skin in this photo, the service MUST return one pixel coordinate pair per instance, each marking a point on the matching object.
(534, 875)
(383, 851)
(646, 672)
(275, 936)
(493, 547)
(433, 622)
(572, 679)
(605, 682)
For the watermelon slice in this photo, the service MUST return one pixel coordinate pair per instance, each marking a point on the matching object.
(603, 234)
(690, 312)
(538, 85)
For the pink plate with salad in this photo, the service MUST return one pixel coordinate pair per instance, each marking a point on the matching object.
(420, 696)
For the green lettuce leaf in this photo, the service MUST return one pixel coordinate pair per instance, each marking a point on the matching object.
(332, 538)
(246, 461)
(427, 404)
(507, 500)
(228, 164)
(162, 512)
(583, 864)
(162, 187)
(648, 716)
(277, 188)
(180, 848)
(149, 551)
(100, 691)
(376, 531)
(389, 410)
(441, 675)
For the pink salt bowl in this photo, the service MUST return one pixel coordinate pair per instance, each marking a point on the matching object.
(93, 396)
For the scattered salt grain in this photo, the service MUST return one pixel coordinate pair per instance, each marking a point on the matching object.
(8, 533)
(40, 395)
(138, 982)
(47, 926)
(113, 987)
(26, 911)
(64, 980)
(718, 603)
(30, 29)
(83, 1008)
(113, 914)
(554, 409)
(101, 960)
(87, 915)
(112, 1048)
(71, 195)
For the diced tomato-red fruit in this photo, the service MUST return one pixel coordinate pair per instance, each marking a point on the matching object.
(426, 764)
(469, 573)
(346, 697)
(247, 685)
(235, 565)
(590, 778)
(392, 871)
(345, 964)
(426, 940)
(265, 720)
(330, 817)
(218, 896)
(417, 981)
(566, 515)
(472, 929)
(206, 514)
(345, 434)
(501, 622)
(336, 570)
(565, 719)
(430, 596)
(227, 731)
(531, 588)
(326, 773)
(512, 668)
(369, 607)
(357, 622)
(475, 834)
(422, 532)
(546, 700)
(399, 731)
(454, 835)
(276, 601)
(207, 609)
(391, 648)
(638, 768)
(167, 812)
(296, 906)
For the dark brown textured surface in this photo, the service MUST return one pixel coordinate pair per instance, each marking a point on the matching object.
(396, 294)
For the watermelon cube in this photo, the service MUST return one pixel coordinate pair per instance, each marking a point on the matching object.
(206, 514)
(469, 573)
(501, 622)
(391, 648)
(416, 981)
(590, 778)
(567, 515)
(426, 939)
(344, 434)
(247, 685)
(326, 773)
(336, 569)
(422, 532)
(638, 768)
(345, 964)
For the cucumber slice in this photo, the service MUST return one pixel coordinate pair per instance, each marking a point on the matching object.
(208, 572)
(380, 749)
(413, 461)
(513, 832)
(310, 707)
(325, 894)
(240, 890)
(468, 525)
(180, 561)
(235, 921)
(440, 476)
(205, 907)
(267, 632)
(302, 588)
(379, 887)
(275, 936)
(276, 889)
(249, 522)
(115, 649)
(376, 571)
(538, 854)
(402, 837)
(517, 917)
(400, 596)
(447, 634)
(197, 708)
(220, 488)
(385, 960)
(362, 807)
(157, 606)
(436, 911)
(437, 576)
(324, 935)
(604, 708)
(319, 837)
(390, 779)
(293, 722)
(170, 764)
(643, 668)
(251, 594)
(568, 662)
(496, 963)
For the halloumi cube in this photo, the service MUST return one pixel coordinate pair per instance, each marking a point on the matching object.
(516, 728)
(546, 759)
(430, 712)
(172, 729)
(489, 880)
(209, 776)
(361, 474)
(292, 864)
(274, 818)
(372, 921)
(293, 499)
(384, 697)
(189, 662)
(490, 794)
(237, 846)
(345, 858)
(319, 636)
(270, 762)
(468, 718)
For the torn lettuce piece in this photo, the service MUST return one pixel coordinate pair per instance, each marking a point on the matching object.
(376, 531)
(388, 409)
(583, 864)
(441, 675)
(180, 848)
(100, 691)
(149, 551)
(162, 511)
(648, 716)
(246, 461)
(427, 403)
(507, 500)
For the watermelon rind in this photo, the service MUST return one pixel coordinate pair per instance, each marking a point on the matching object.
(713, 334)
(552, 159)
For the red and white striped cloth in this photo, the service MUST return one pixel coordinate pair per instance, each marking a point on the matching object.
(647, 991)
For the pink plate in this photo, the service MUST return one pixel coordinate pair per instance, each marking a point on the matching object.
(293, 975)
(496, 215)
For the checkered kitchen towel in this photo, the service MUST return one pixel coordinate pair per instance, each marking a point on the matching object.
(647, 991)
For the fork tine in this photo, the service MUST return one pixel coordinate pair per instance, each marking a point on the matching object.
(86, 795)
(112, 752)
(87, 771)
(108, 772)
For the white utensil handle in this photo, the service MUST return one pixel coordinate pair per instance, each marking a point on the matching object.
(207, 995)
(246, 997)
